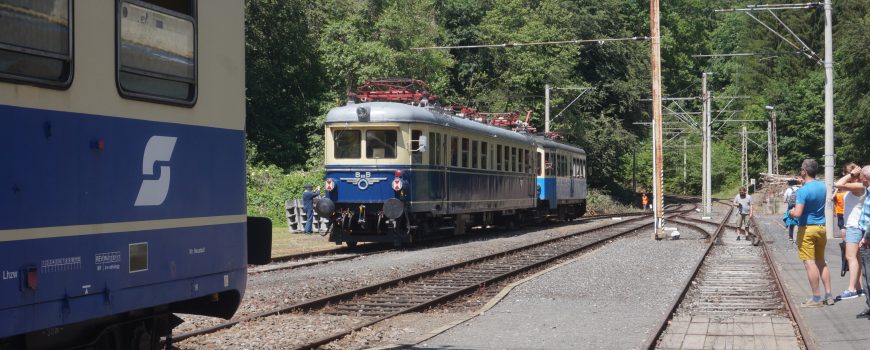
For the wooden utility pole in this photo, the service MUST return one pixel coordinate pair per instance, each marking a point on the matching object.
(656, 64)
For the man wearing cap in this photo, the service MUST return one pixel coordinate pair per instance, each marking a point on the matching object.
(308, 205)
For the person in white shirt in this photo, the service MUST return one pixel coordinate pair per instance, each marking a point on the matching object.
(743, 202)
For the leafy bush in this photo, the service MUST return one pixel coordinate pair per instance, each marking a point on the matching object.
(601, 202)
(269, 187)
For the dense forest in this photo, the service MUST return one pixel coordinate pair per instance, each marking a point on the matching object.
(303, 56)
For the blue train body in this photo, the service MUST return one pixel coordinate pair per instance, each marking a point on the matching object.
(123, 174)
(398, 173)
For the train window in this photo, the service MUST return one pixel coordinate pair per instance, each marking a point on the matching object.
(464, 152)
(35, 42)
(156, 50)
(520, 161)
(416, 155)
(538, 164)
(439, 152)
(507, 158)
(433, 148)
(513, 160)
(483, 155)
(474, 154)
(346, 144)
(381, 144)
(498, 157)
(454, 151)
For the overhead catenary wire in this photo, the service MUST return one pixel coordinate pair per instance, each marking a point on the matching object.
(535, 43)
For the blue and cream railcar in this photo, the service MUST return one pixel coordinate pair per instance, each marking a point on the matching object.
(123, 169)
(561, 178)
(397, 172)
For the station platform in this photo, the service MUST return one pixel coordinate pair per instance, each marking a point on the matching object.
(830, 327)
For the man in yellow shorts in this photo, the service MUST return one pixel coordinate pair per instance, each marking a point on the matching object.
(809, 210)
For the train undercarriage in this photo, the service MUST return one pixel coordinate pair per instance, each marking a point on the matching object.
(356, 223)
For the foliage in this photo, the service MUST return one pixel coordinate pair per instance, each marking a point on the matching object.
(269, 187)
(601, 202)
(302, 58)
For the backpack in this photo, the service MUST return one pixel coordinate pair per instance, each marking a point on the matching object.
(792, 198)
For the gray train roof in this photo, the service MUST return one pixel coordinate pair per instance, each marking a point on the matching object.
(391, 112)
(547, 143)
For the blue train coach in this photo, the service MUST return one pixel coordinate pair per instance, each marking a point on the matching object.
(123, 174)
(398, 172)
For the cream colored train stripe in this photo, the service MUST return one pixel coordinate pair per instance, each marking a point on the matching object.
(116, 227)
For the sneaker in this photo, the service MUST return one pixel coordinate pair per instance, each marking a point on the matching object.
(861, 292)
(830, 301)
(812, 303)
(848, 294)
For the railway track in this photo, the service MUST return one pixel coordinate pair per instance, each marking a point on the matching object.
(734, 299)
(292, 261)
(418, 291)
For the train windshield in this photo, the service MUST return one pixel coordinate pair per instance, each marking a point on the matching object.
(347, 144)
(381, 144)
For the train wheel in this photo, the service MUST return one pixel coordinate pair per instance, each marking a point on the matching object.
(110, 340)
(141, 338)
(459, 225)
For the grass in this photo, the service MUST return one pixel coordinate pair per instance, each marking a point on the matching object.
(286, 243)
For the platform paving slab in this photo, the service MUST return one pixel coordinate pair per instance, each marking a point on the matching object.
(831, 327)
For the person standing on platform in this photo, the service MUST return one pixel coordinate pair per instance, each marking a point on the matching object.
(743, 202)
(837, 198)
(308, 205)
(854, 192)
(809, 209)
(864, 225)
(789, 197)
(644, 200)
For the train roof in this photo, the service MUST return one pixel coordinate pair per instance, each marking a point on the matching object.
(391, 112)
(548, 143)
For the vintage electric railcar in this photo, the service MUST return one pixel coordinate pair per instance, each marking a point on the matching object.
(123, 169)
(397, 173)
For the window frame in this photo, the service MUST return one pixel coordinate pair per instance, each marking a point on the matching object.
(484, 156)
(139, 96)
(464, 153)
(359, 143)
(473, 153)
(365, 139)
(47, 83)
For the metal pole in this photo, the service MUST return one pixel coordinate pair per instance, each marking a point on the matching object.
(634, 170)
(769, 148)
(547, 108)
(656, 64)
(774, 143)
(704, 145)
(684, 167)
(744, 170)
(829, 121)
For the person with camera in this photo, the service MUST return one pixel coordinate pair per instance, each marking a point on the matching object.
(743, 202)
(853, 200)
(308, 205)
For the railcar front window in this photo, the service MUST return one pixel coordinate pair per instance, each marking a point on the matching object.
(35, 41)
(346, 144)
(381, 144)
(157, 50)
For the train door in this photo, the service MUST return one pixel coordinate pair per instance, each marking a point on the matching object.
(574, 173)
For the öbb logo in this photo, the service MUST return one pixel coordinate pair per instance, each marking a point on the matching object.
(153, 192)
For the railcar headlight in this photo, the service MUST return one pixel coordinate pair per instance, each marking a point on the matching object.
(362, 113)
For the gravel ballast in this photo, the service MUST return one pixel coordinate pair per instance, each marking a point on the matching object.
(611, 298)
